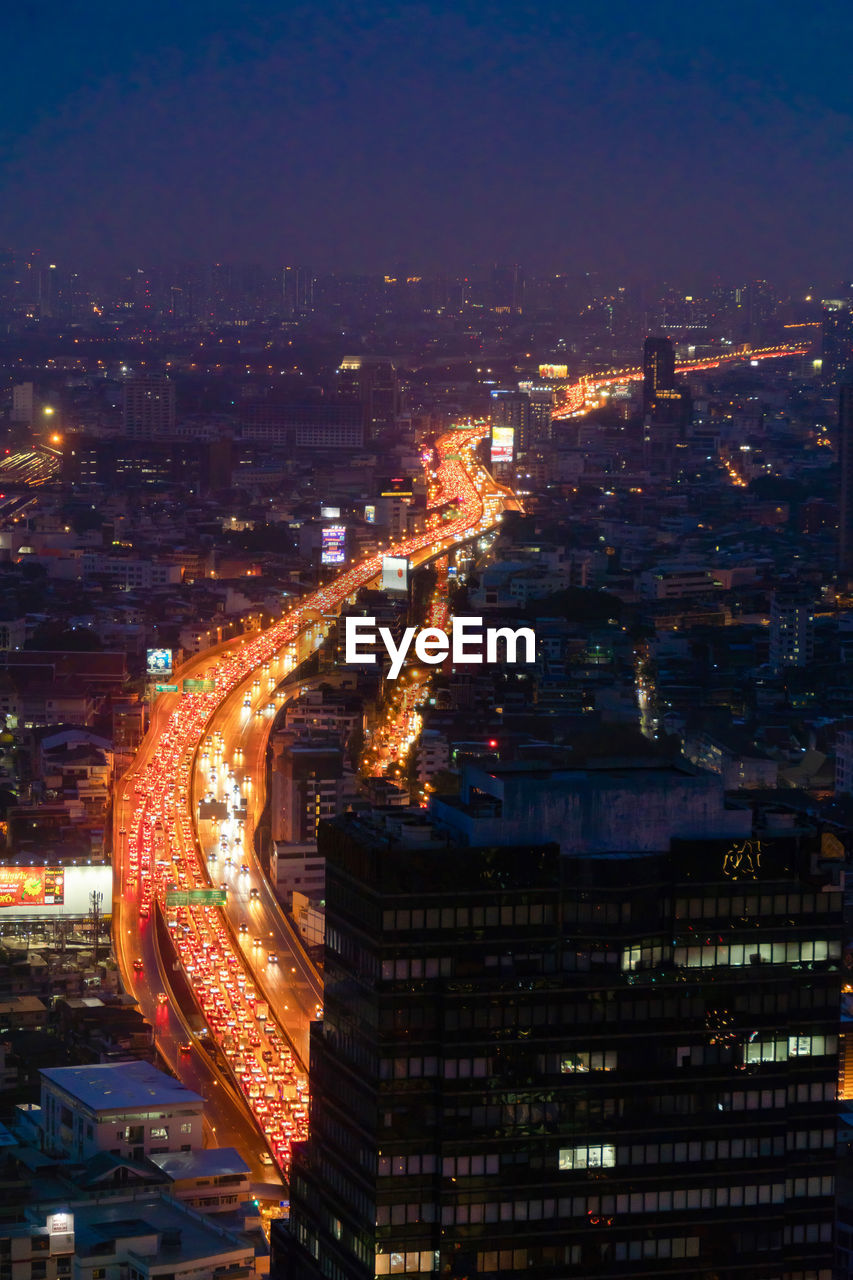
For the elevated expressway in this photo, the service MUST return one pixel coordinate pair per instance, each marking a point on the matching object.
(179, 962)
(590, 391)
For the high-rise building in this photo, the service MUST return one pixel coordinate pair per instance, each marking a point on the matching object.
(658, 373)
(791, 629)
(307, 785)
(541, 413)
(116, 463)
(148, 406)
(373, 383)
(507, 290)
(837, 340)
(316, 427)
(297, 291)
(577, 1023)
(666, 403)
(511, 410)
(23, 403)
(845, 467)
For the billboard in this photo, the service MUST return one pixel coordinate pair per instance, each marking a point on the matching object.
(31, 886)
(503, 444)
(330, 513)
(61, 891)
(333, 546)
(395, 573)
(159, 662)
(370, 513)
(197, 686)
(196, 897)
(553, 371)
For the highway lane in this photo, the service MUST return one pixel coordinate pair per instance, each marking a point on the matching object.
(229, 1121)
(590, 391)
(292, 984)
(156, 812)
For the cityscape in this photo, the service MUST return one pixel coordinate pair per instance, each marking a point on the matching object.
(426, 648)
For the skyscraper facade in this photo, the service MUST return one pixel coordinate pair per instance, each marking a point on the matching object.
(666, 403)
(845, 467)
(837, 339)
(565, 1057)
(658, 371)
(148, 406)
(511, 409)
(373, 383)
(297, 291)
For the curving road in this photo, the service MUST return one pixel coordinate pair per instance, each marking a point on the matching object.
(208, 743)
(590, 391)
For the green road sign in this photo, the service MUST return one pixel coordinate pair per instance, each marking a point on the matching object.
(199, 686)
(165, 688)
(195, 897)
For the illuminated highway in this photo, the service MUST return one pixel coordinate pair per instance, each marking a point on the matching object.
(399, 726)
(234, 973)
(590, 391)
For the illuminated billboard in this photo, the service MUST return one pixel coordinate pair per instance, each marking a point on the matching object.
(159, 662)
(370, 513)
(333, 549)
(503, 444)
(62, 891)
(330, 513)
(395, 573)
(31, 886)
(553, 371)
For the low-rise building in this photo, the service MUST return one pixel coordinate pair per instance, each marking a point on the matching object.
(214, 1180)
(127, 1108)
(137, 1235)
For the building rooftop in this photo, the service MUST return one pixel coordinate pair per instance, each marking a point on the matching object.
(211, 1162)
(180, 1234)
(115, 1085)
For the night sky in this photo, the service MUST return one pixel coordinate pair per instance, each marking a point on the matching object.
(632, 138)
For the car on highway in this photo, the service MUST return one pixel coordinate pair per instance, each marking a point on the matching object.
(186, 1047)
(254, 893)
(138, 965)
(244, 928)
(266, 1158)
(162, 998)
(272, 958)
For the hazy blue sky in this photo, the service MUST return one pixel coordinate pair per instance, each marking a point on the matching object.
(629, 137)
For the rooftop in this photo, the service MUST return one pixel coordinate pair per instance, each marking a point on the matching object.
(181, 1234)
(208, 1163)
(116, 1085)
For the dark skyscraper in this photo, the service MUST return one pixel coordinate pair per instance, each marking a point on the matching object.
(845, 465)
(512, 409)
(614, 1048)
(837, 344)
(148, 406)
(297, 291)
(658, 373)
(666, 403)
(507, 290)
(373, 383)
